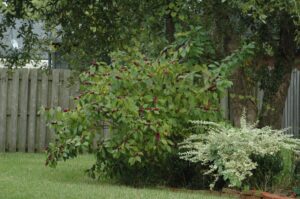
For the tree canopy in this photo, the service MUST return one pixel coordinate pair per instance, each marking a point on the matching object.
(84, 31)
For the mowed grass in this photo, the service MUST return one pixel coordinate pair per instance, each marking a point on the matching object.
(24, 176)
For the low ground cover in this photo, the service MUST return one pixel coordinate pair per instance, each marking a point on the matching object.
(24, 176)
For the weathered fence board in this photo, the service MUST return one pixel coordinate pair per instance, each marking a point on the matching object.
(44, 103)
(3, 108)
(65, 91)
(23, 103)
(54, 95)
(32, 111)
(13, 98)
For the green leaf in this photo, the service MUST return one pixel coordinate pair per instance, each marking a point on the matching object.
(131, 161)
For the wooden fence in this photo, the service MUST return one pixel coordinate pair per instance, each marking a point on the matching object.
(291, 113)
(22, 93)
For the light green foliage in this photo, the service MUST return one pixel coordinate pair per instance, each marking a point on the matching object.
(147, 103)
(228, 150)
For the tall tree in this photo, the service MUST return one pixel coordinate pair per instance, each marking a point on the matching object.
(274, 26)
(91, 29)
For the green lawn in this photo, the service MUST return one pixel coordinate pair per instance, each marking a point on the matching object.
(24, 176)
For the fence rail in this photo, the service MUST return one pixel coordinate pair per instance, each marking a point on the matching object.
(22, 93)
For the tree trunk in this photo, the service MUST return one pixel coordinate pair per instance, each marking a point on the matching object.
(242, 97)
(274, 99)
(243, 93)
(170, 25)
(272, 111)
(170, 28)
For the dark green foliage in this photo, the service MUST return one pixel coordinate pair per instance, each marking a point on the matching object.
(180, 173)
(297, 173)
(275, 172)
(264, 175)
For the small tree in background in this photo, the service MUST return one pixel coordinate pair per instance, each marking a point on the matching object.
(147, 102)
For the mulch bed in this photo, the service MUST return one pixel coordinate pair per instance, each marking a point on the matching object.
(252, 194)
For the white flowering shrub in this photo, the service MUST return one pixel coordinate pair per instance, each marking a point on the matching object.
(228, 150)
